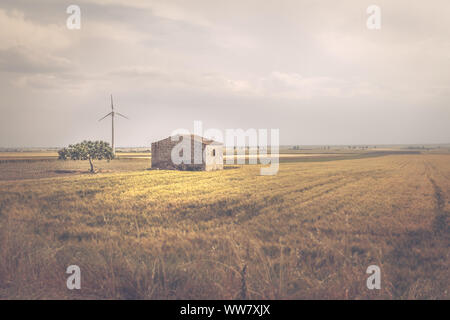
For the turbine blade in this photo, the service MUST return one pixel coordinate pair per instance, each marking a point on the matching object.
(105, 116)
(112, 105)
(119, 114)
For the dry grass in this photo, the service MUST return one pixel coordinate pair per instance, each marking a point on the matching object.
(309, 232)
(36, 169)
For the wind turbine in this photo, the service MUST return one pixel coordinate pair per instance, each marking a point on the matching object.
(112, 114)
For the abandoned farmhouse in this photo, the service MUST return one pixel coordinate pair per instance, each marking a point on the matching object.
(187, 152)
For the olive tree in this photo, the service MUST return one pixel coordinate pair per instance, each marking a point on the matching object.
(87, 150)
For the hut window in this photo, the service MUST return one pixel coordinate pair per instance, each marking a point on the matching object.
(214, 152)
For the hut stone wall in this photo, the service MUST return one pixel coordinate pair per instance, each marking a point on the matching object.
(212, 151)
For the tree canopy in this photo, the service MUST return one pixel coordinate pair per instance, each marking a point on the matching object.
(87, 150)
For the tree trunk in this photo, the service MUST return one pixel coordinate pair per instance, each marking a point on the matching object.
(92, 165)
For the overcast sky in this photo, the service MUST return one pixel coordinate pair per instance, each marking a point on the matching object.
(310, 68)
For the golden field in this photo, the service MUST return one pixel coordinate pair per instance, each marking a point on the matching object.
(310, 231)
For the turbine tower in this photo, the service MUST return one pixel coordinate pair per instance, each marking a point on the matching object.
(112, 114)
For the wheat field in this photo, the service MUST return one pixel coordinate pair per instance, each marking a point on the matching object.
(308, 232)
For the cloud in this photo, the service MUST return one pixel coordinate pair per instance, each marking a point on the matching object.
(224, 60)
(163, 9)
(31, 54)
(15, 31)
(20, 60)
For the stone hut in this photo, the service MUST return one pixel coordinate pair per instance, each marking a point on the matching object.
(205, 155)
